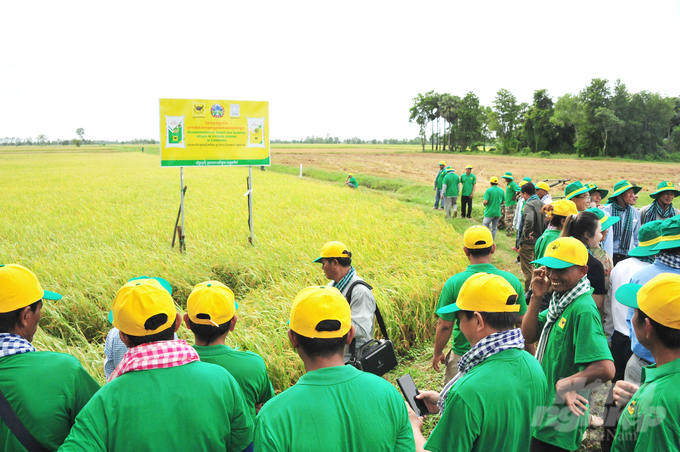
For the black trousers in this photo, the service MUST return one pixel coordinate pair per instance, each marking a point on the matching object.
(466, 202)
(539, 446)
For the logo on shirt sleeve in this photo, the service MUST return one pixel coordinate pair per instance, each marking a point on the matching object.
(563, 322)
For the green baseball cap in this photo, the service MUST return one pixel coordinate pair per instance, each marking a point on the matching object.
(670, 234)
(575, 189)
(648, 236)
(508, 175)
(621, 187)
(605, 220)
(528, 179)
(664, 186)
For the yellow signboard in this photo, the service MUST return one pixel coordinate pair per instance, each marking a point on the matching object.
(202, 132)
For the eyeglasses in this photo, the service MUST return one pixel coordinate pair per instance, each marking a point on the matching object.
(583, 196)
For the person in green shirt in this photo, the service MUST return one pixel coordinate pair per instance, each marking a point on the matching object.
(511, 196)
(332, 407)
(161, 396)
(211, 317)
(557, 213)
(351, 182)
(478, 246)
(438, 181)
(490, 403)
(46, 390)
(468, 181)
(572, 347)
(450, 190)
(651, 419)
(493, 198)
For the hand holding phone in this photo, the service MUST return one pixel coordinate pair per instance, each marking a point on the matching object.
(408, 388)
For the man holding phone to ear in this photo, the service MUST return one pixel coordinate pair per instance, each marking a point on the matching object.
(489, 404)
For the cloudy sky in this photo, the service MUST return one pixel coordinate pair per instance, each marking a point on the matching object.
(346, 68)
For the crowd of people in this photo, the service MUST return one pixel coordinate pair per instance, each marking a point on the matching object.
(600, 302)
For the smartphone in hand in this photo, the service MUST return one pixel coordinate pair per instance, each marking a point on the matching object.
(408, 388)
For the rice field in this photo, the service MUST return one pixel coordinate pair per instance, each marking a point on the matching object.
(87, 222)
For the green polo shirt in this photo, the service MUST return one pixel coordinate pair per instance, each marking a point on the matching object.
(46, 390)
(451, 180)
(335, 409)
(651, 421)
(510, 191)
(247, 368)
(491, 406)
(449, 295)
(549, 236)
(192, 407)
(439, 181)
(575, 341)
(468, 182)
(494, 195)
(353, 181)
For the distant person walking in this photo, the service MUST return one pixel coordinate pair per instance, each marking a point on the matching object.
(450, 191)
(351, 182)
(493, 197)
(439, 180)
(662, 207)
(511, 196)
(468, 181)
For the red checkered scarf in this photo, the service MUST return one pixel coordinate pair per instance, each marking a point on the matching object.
(156, 355)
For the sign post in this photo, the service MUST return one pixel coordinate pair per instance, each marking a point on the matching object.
(204, 132)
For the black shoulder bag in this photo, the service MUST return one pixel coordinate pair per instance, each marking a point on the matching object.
(9, 417)
(375, 356)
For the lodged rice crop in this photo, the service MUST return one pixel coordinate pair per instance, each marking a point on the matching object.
(86, 223)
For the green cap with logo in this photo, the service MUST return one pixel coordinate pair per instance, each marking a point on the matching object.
(621, 187)
(575, 189)
(662, 187)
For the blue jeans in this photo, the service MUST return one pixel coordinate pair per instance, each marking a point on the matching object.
(492, 224)
(437, 196)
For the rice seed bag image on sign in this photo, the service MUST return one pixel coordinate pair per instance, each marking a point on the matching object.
(174, 131)
(255, 133)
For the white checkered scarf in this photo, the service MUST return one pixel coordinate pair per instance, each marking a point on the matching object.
(490, 345)
(672, 260)
(557, 306)
(156, 355)
(13, 344)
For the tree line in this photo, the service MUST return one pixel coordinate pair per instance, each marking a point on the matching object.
(600, 121)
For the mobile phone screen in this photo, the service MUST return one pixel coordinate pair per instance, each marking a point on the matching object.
(408, 388)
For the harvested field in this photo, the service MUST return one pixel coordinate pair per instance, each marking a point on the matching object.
(422, 167)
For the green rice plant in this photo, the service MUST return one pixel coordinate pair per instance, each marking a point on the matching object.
(86, 223)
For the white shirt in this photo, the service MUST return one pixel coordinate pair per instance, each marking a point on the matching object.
(620, 275)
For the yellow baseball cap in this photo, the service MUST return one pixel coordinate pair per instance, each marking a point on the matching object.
(19, 287)
(350, 174)
(659, 298)
(442, 163)
(468, 167)
(542, 186)
(564, 252)
(493, 180)
(316, 304)
(211, 303)
(477, 237)
(564, 208)
(484, 292)
(138, 301)
(523, 182)
(333, 249)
